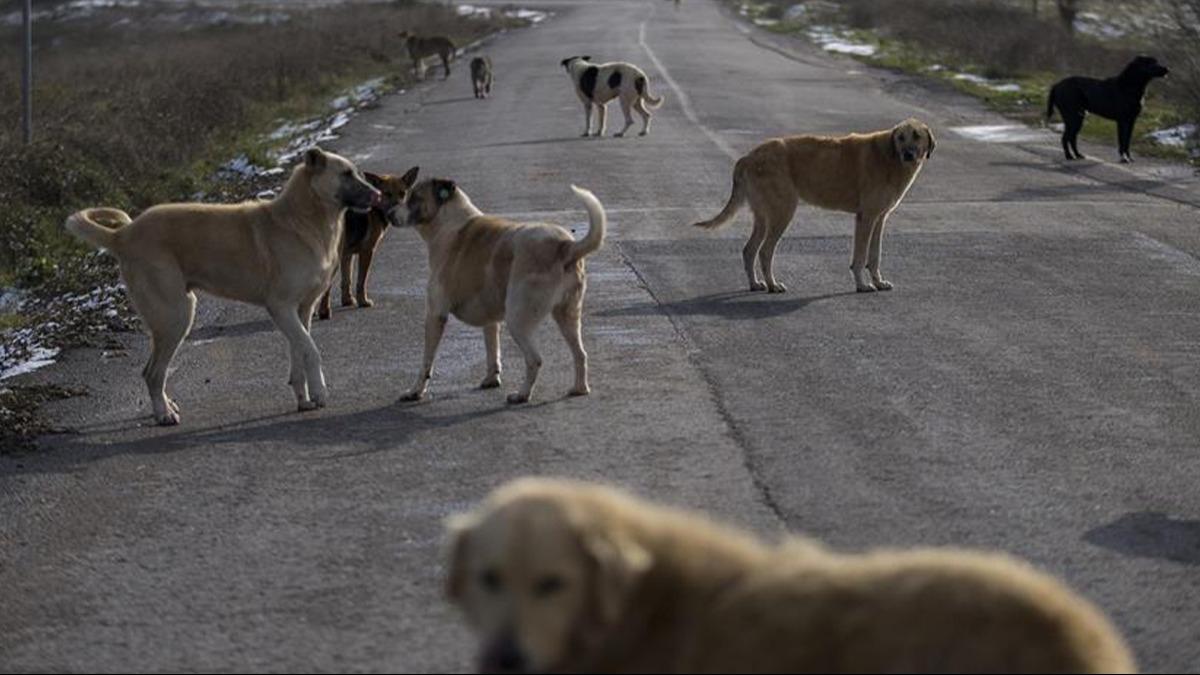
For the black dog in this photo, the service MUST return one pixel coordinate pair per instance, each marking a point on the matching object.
(1117, 98)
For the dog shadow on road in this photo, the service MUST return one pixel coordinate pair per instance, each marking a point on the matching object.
(540, 141)
(1150, 534)
(732, 306)
(379, 429)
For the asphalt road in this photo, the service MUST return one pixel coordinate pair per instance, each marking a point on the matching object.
(1031, 385)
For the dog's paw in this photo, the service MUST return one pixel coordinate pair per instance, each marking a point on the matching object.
(490, 382)
(412, 396)
(365, 302)
(307, 406)
(867, 288)
(168, 419)
(619, 134)
(173, 406)
(777, 288)
(644, 133)
(757, 286)
(577, 391)
(883, 285)
(348, 301)
(517, 399)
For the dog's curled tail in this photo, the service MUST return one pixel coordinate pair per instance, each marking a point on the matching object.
(598, 221)
(737, 197)
(99, 226)
(643, 90)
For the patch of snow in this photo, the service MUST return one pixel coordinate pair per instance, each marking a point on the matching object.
(795, 13)
(1176, 137)
(985, 82)
(832, 41)
(1000, 133)
(37, 357)
(1090, 23)
(766, 22)
(11, 300)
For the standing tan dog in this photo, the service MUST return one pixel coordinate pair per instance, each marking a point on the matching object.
(364, 232)
(596, 85)
(863, 174)
(485, 270)
(421, 47)
(559, 576)
(277, 254)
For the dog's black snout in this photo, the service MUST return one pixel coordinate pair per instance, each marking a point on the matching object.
(504, 656)
(909, 155)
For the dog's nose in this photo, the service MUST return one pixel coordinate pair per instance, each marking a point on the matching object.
(504, 656)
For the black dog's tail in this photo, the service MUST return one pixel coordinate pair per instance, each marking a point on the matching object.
(1050, 105)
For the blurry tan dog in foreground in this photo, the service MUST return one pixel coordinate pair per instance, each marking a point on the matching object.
(863, 174)
(278, 254)
(487, 270)
(559, 576)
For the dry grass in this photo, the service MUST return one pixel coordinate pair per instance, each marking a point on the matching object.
(130, 116)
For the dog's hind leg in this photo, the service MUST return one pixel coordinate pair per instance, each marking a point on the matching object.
(168, 314)
(446, 63)
(750, 252)
(526, 309)
(306, 378)
(876, 253)
(566, 315)
(1072, 125)
(626, 108)
(491, 340)
(777, 223)
(864, 225)
(640, 107)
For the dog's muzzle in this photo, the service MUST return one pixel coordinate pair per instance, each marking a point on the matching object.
(503, 655)
(908, 156)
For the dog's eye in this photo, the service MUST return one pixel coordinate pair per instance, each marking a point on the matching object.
(490, 580)
(548, 586)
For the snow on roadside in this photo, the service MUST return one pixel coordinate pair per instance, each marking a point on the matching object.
(1176, 137)
(985, 82)
(832, 40)
(70, 319)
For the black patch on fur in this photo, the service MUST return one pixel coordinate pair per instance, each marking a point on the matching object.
(640, 85)
(614, 80)
(587, 81)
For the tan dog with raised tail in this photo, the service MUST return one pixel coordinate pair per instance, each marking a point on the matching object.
(278, 254)
(863, 174)
(486, 270)
(568, 577)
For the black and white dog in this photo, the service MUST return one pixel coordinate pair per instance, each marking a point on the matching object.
(596, 85)
(1116, 98)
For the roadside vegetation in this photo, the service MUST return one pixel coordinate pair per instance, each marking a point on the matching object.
(1008, 53)
(141, 103)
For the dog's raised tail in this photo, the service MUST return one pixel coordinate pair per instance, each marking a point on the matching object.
(643, 90)
(598, 222)
(737, 197)
(99, 226)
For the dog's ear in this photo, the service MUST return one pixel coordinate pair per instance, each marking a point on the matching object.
(314, 158)
(443, 190)
(376, 181)
(932, 143)
(410, 177)
(458, 531)
(618, 564)
(892, 142)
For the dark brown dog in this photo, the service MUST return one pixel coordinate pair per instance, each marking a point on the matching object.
(1116, 98)
(364, 231)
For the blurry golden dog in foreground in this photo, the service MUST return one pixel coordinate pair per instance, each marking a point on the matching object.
(570, 577)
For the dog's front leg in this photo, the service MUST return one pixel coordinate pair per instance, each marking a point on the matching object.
(347, 270)
(435, 325)
(876, 253)
(603, 121)
(863, 226)
(491, 338)
(587, 119)
(306, 378)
